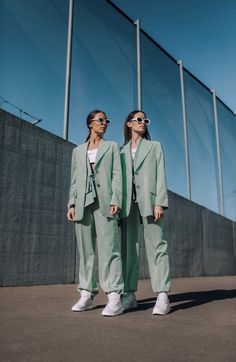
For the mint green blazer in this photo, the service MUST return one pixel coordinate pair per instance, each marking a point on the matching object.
(107, 174)
(150, 178)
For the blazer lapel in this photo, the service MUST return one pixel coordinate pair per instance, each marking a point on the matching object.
(144, 148)
(102, 149)
(127, 152)
(82, 153)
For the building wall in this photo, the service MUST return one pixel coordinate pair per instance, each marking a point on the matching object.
(37, 244)
(201, 242)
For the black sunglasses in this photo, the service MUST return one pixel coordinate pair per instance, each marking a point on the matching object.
(141, 120)
(101, 120)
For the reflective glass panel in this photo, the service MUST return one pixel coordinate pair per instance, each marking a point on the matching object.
(103, 68)
(33, 38)
(227, 135)
(162, 104)
(202, 144)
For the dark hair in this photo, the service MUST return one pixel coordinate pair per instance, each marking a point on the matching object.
(127, 130)
(90, 116)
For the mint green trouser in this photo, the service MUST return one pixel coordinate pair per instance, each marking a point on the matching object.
(94, 226)
(156, 248)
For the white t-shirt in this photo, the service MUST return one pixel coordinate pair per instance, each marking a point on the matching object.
(92, 155)
(133, 150)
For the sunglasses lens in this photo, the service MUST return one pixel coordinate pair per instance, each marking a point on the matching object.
(145, 120)
(103, 120)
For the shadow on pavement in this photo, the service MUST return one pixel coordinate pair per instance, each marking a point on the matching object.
(185, 300)
(191, 299)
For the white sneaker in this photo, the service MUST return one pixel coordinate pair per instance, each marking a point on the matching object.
(129, 301)
(84, 303)
(113, 306)
(162, 305)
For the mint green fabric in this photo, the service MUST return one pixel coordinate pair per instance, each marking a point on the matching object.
(92, 196)
(156, 248)
(96, 226)
(150, 179)
(107, 177)
(151, 190)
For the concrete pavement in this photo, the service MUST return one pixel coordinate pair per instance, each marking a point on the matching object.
(36, 324)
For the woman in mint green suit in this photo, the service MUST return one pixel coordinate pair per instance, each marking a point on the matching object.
(144, 197)
(94, 202)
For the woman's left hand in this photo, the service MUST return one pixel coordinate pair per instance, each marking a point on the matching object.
(158, 212)
(114, 209)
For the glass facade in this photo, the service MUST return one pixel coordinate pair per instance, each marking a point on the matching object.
(33, 41)
(103, 68)
(227, 135)
(162, 104)
(202, 144)
(33, 38)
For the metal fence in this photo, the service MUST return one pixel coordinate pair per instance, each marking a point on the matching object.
(60, 59)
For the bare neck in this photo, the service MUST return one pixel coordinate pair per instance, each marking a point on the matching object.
(94, 140)
(136, 138)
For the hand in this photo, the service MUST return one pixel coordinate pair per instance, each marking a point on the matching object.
(71, 214)
(158, 212)
(114, 209)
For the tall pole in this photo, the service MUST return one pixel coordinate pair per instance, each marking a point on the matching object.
(222, 211)
(139, 79)
(186, 148)
(68, 70)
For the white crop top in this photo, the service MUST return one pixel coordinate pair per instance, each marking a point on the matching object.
(133, 150)
(92, 155)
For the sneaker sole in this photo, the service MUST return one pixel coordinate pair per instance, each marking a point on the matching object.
(113, 315)
(157, 312)
(83, 310)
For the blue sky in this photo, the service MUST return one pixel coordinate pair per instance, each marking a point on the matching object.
(33, 38)
(200, 32)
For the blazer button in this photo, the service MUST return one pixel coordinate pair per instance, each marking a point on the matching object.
(98, 185)
(136, 173)
(137, 187)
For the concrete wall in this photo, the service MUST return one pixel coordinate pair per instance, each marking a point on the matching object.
(37, 244)
(201, 242)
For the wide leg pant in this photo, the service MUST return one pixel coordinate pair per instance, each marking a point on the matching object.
(156, 248)
(94, 226)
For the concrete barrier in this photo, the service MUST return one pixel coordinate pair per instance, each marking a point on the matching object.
(37, 244)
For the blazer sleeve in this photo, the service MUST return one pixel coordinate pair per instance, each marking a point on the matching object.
(72, 192)
(161, 186)
(116, 198)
